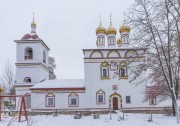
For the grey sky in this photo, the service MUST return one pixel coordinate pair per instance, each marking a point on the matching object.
(66, 26)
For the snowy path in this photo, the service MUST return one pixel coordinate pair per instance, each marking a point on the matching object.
(68, 120)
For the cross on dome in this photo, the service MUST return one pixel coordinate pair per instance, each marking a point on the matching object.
(111, 29)
(32, 35)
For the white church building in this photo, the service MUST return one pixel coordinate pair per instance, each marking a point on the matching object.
(106, 75)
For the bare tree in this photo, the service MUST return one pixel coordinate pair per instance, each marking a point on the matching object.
(155, 26)
(51, 68)
(7, 79)
(7, 76)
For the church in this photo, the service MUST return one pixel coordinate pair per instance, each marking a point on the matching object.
(105, 85)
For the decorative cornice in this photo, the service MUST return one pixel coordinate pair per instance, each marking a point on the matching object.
(30, 64)
(100, 60)
(57, 91)
(47, 89)
(33, 41)
(105, 49)
(29, 85)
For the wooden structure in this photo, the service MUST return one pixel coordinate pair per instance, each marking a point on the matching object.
(22, 105)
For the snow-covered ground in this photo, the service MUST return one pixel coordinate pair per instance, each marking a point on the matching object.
(68, 120)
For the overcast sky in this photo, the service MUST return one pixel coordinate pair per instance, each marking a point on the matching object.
(66, 26)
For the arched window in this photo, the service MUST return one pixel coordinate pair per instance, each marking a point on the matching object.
(50, 100)
(111, 40)
(44, 57)
(104, 72)
(73, 99)
(28, 53)
(27, 80)
(100, 40)
(123, 73)
(104, 68)
(100, 97)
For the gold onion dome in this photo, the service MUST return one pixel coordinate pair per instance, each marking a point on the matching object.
(100, 29)
(124, 28)
(119, 41)
(33, 24)
(1, 89)
(111, 30)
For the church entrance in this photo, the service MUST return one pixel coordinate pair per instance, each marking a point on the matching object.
(115, 103)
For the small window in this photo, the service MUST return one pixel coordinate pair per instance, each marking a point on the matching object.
(44, 57)
(152, 101)
(27, 80)
(50, 100)
(123, 72)
(73, 100)
(104, 72)
(104, 68)
(128, 99)
(100, 97)
(100, 40)
(28, 53)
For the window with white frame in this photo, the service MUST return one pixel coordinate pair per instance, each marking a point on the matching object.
(100, 97)
(123, 70)
(73, 100)
(104, 70)
(28, 53)
(152, 101)
(128, 99)
(50, 100)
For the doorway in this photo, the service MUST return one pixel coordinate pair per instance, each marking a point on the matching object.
(115, 103)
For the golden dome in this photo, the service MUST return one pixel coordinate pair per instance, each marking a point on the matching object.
(100, 29)
(33, 24)
(119, 42)
(124, 28)
(111, 30)
(1, 89)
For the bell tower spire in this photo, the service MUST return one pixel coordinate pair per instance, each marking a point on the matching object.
(33, 25)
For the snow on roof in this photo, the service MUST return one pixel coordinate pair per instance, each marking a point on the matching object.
(63, 83)
(30, 36)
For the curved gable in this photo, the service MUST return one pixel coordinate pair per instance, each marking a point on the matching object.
(113, 54)
(96, 54)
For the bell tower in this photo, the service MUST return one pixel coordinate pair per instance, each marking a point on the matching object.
(31, 59)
